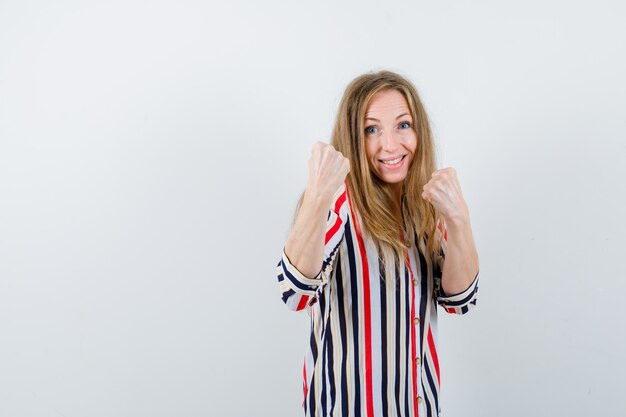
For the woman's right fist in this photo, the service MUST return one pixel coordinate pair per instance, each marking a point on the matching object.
(328, 169)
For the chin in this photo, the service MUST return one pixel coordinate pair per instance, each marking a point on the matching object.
(391, 179)
(394, 178)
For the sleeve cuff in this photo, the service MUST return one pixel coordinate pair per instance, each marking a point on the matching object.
(460, 303)
(298, 281)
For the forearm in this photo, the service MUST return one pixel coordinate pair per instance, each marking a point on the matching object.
(461, 261)
(305, 244)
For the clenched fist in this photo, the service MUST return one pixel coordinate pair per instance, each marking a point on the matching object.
(328, 169)
(443, 191)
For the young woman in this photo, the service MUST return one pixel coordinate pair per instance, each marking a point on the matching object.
(380, 239)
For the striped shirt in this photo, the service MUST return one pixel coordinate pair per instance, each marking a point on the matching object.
(372, 350)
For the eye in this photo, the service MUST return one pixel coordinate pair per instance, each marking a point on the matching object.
(404, 125)
(370, 130)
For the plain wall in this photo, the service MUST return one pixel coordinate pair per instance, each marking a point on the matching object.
(152, 153)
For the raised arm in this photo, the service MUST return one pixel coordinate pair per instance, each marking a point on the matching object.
(328, 169)
(460, 268)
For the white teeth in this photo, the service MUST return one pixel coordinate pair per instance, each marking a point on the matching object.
(393, 161)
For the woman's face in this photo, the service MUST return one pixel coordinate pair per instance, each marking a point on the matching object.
(390, 140)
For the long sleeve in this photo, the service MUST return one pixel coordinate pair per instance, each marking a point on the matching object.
(297, 290)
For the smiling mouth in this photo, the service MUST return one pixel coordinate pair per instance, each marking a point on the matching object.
(393, 161)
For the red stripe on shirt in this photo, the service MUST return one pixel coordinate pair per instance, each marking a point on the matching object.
(306, 389)
(340, 201)
(367, 317)
(433, 353)
(303, 300)
(331, 232)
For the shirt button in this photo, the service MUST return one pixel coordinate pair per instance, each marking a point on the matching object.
(416, 320)
(419, 400)
(417, 360)
(414, 282)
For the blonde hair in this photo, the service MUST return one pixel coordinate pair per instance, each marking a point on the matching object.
(381, 217)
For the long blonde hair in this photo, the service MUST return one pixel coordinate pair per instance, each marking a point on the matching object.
(382, 219)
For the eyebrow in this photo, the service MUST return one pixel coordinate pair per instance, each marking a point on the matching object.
(376, 120)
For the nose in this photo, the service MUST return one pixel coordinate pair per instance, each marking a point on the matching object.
(389, 140)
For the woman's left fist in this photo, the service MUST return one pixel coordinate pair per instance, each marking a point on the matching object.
(443, 191)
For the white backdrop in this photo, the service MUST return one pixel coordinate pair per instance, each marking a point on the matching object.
(152, 152)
